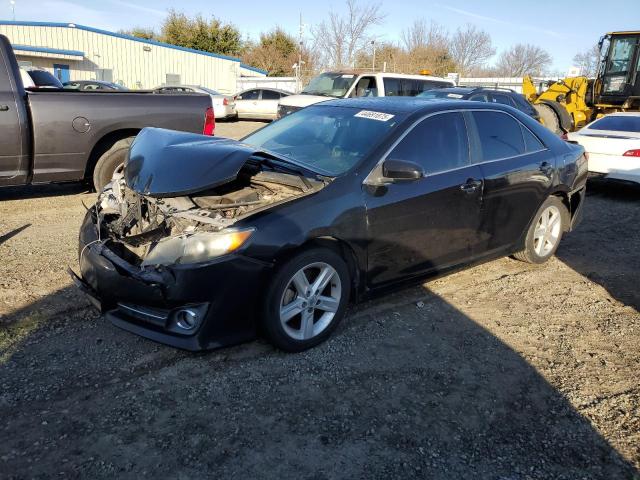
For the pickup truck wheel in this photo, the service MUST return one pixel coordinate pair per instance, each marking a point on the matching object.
(545, 232)
(109, 162)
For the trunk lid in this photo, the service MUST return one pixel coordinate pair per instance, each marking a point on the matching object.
(606, 142)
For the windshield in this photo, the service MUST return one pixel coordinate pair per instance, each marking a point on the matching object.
(440, 94)
(619, 123)
(330, 84)
(43, 78)
(324, 139)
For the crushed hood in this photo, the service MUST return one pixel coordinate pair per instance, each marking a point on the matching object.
(166, 163)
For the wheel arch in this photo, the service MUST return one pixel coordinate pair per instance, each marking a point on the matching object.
(565, 197)
(339, 246)
(104, 144)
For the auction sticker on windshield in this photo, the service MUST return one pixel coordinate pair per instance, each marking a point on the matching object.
(381, 117)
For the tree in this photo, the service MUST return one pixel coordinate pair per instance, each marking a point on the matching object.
(276, 52)
(587, 61)
(209, 36)
(523, 59)
(341, 37)
(471, 48)
(141, 32)
(420, 35)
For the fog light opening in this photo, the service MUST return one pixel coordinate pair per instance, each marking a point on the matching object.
(186, 319)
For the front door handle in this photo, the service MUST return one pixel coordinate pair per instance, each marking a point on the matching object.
(471, 185)
(4, 108)
(546, 168)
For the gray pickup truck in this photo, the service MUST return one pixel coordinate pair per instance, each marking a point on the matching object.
(65, 135)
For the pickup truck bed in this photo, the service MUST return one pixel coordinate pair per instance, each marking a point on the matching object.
(61, 135)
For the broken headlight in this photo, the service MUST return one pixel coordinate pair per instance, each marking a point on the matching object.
(196, 248)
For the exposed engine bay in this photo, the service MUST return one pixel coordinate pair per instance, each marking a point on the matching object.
(135, 223)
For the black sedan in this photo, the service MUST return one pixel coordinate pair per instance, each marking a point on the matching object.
(204, 242)
(505, 96)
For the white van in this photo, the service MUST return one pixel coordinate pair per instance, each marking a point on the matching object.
(346, 84)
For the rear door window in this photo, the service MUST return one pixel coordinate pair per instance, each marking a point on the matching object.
(392, 87)
(531, 142)
(270, 95)
(500, 135)
(503, 99)
(479, 97)
(438, 143)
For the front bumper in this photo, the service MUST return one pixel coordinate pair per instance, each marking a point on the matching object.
(222, 295)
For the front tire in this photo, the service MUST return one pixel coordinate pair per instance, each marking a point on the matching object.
(545, 232)
(109, 162)
(306, 300)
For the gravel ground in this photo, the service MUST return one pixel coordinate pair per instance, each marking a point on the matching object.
(502, 371)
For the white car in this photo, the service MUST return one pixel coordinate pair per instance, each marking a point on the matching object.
(347, 84)
(259, 103)
(613, 145)
(224, 106)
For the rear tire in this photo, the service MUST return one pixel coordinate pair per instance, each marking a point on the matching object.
(545, 232)
(549, 118)
(109, 162)
(306, 299)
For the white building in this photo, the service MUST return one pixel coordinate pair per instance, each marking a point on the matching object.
(76, 52)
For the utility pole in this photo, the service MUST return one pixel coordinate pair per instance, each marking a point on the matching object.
(373, 44)
(298, 76)
(13, 9)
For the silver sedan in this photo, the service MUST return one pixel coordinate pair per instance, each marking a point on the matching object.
(259, 103)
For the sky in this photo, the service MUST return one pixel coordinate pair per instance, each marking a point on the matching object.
(568, 28)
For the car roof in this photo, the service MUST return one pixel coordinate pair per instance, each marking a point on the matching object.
(410, 105)
(462, 90)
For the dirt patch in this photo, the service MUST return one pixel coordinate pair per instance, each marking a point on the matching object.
(505, 371)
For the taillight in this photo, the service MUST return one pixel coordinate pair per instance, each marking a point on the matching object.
(225, 101)
(632, 153)
(209, 122)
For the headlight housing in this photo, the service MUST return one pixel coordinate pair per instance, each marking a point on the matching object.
(196, 248)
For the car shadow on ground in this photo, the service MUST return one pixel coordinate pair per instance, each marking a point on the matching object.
(39, 191)
(400, 391)
(601, 249)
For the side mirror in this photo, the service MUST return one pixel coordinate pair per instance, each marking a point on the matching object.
(401, 170)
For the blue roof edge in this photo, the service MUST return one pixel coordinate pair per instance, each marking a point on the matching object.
(30, 48)
(253, 69)
(127, 37)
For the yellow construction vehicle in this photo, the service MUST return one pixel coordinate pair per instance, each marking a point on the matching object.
(570, 103)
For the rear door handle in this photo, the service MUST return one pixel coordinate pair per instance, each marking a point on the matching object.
(471, 185)
(4, 108)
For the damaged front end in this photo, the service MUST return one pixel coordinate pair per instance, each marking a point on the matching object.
(169, 209)
(161, 257)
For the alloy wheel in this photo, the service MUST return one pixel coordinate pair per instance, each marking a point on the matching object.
(547, 232)
(310, 301)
